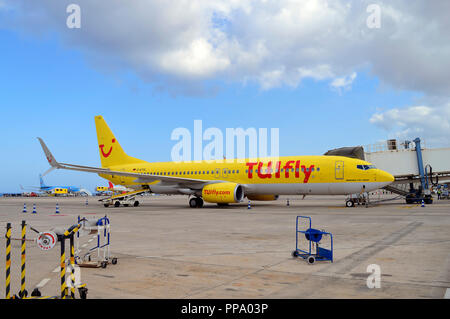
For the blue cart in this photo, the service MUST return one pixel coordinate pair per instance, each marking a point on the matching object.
(308, 242)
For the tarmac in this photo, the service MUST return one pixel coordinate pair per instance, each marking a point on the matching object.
(166, 249)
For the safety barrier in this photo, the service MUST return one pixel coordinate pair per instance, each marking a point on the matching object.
(45, 241)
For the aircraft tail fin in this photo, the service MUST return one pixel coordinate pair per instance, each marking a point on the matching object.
(111, 153)
(41, 181)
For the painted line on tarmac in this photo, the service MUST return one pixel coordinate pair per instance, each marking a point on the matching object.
(43, 283)
(447, 294)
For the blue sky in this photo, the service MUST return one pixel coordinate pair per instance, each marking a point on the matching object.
(53, 89)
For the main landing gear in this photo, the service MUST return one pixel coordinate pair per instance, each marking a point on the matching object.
(196, 202)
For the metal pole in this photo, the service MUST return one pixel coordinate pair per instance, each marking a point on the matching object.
(63, 267)
(23, 256)
(423, 181)
(72, 264)
(8, 261)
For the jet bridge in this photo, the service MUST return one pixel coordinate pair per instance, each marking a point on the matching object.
(415, 167)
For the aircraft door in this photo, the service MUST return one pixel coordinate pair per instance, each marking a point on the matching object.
(217, 172)
(339, 169)
(224, 172)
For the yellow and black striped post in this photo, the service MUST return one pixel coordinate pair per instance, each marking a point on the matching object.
(62, 238)
(72, 264)
(63, 268)
(8, 261)
(22, 292)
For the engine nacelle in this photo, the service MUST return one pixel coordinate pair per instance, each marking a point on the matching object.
(223, 193)
(262, 197)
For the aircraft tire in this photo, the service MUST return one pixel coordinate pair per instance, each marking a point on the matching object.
(193, 202)
(199, 202)
(106, 205)
(349, 203)
(136, 204)
(117, 204)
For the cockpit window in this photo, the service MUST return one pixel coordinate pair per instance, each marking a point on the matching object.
(365, 167)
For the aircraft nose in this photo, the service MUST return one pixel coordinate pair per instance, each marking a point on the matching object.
(385, 177)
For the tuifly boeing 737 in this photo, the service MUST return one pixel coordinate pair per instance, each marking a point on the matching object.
(229, 181)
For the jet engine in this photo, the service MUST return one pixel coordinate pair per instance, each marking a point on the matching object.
(223, 193)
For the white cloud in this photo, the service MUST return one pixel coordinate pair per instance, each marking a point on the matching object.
(343, 83)
(271, 42)
(431, 123)
(199, 59)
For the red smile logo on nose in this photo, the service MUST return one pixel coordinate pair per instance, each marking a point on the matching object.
(105, 155)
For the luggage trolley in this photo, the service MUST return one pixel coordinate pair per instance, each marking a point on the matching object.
(101, 227)
(311, 250)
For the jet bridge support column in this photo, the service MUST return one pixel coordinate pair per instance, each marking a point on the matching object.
(424, 192)
(423, 180)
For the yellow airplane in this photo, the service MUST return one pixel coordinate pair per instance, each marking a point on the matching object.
(229, 181)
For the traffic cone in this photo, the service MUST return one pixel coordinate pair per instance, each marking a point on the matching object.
(423, 203)
(34, 209)
(249, 206)
(24, 208)
(57, 208)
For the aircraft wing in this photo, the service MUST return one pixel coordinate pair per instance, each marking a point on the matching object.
(140, 178)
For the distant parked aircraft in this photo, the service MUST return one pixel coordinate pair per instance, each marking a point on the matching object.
(57, 190)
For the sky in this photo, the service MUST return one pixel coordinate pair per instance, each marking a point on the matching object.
(327, 74)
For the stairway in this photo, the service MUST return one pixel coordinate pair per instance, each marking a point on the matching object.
(401, 189)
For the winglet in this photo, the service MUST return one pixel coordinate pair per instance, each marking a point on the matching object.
(50, 158)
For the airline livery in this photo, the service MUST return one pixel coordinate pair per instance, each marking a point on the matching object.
(230, 181)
